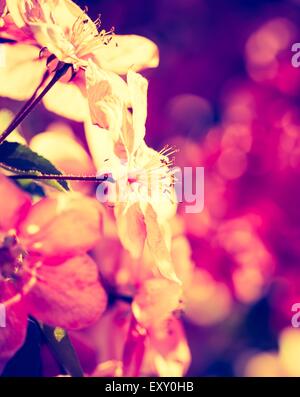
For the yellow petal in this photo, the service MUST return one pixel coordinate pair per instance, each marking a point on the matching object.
(131, 228)
(22, 71)
(63, 12)
(94, 74)
(55, 40)
(60, 147)
(68, 101)
(155, 301)
(66, 13)
(168, 352)
(15, 12)
(100, 144)
(64, 151)
(157, 245)
(127, 132)
(51, 23)
(128, 52)
(110, 368)
(104, 92)
(138, 87)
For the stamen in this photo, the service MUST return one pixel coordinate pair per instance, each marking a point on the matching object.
(86, 35)
(12, 264)
(26, 288)
(157, 169)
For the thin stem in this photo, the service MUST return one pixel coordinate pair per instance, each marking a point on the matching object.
(30, 105)
(63, 177)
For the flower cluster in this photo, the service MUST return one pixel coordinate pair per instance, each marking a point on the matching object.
(96, 257)
(65, 255)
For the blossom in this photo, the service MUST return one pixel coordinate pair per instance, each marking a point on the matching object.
(44, 268)
(148, 337)
(168, 353)
(144, 196)
(154, 324)
(60, 31)
(141, 218)
(159, 350)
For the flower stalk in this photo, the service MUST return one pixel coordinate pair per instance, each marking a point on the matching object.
(82, 178)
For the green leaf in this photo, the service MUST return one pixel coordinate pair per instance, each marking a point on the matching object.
(35, 189)
(20, 159)
(62, 347)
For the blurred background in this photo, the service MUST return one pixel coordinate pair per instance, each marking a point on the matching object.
(227, 95)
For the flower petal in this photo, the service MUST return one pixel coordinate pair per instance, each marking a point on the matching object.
(108, 369)
(168, 354)
(68, 101)
(9, 30)
(112, 326)
(157, 245)
(12, 336)
(69, 295)
(66, 13)
(22, 71)
(60, 227)
(155, 301)
(100, 144)
(66, 154)
(63, 12)
(105, 104)
(131, 228)
(15, 11)
(138, 87)
(127, 52)
(134, 349)
(14, 204)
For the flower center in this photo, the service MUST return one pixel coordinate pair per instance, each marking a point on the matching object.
(77, 44)
(86, 36)
(156, 170)
(12, 256)
(147, 176)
